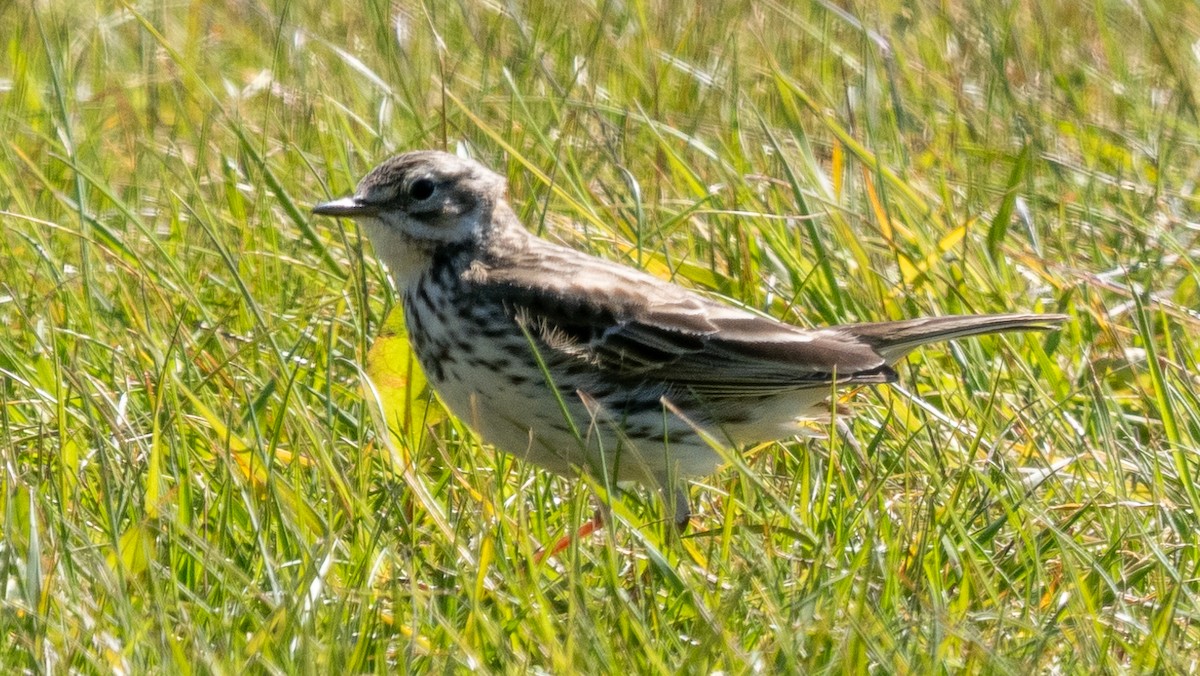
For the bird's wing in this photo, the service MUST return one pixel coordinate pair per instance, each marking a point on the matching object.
(638, 327)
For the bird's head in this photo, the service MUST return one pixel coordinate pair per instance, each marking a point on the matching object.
(415, 203)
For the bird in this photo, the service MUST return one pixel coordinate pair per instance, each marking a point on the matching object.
(579, 364)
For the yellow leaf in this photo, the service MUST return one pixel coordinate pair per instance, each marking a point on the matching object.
(401, 390)
(135, 550)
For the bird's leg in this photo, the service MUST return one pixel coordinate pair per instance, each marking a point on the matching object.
(585, 530)
(676, 493)
(850, 440)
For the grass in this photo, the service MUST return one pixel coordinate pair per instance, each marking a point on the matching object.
(195, 480)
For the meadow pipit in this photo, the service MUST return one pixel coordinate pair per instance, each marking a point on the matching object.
(576, 363)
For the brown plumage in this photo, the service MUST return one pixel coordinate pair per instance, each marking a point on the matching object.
(577, 363)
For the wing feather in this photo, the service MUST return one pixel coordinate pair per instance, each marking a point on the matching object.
(637, 327)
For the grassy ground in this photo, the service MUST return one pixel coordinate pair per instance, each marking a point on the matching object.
(193, 479)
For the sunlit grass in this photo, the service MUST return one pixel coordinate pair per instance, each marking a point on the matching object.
(197, 479)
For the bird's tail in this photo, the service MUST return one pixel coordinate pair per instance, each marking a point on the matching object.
(893, 340)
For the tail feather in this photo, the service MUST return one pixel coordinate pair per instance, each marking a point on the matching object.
(893, 340)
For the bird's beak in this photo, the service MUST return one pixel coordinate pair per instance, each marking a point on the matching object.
(350, 207)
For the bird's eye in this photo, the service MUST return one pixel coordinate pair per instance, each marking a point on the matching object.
(421, 189)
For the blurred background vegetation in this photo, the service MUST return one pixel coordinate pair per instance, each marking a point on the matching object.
(196, 476)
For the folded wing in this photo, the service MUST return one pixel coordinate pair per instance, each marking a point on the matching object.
(636, 327)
